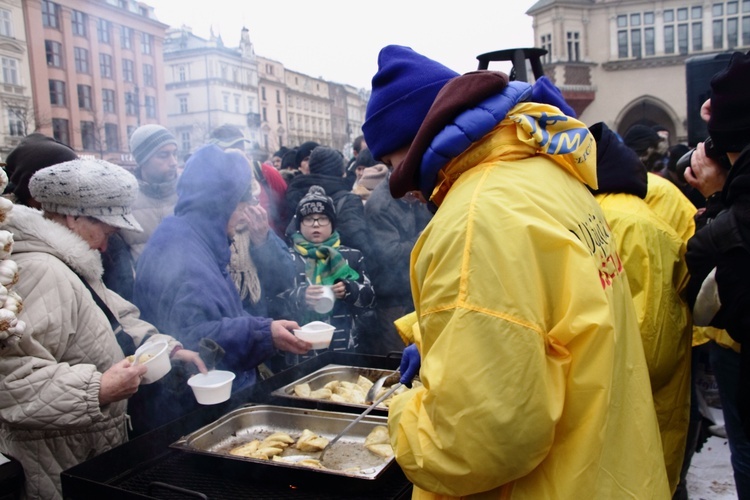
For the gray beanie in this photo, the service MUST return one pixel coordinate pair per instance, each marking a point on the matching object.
(90, 188)
(147, 140)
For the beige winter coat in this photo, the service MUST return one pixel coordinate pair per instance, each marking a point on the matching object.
(50, 418)
(153, 204)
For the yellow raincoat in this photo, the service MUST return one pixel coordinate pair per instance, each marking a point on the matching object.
(653, 255)
(535, 381)
(670, 204)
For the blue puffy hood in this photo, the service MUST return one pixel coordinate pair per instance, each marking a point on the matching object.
(213, 183)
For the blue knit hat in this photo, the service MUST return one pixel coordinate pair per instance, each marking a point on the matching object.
(403, 90)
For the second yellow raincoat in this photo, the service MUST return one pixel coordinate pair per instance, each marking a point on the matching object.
(653, 256)
(535, 381)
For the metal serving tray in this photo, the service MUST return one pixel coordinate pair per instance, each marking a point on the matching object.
(348, 457)
(329, 373)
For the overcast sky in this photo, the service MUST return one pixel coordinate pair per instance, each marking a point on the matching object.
(339, 40)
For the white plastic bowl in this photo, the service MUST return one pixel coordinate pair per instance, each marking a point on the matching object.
(319, 334)
(213, 387)
(158, 363)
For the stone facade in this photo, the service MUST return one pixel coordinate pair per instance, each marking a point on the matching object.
(623, 62)
(96, 72)
(209, 85)
(16, 106)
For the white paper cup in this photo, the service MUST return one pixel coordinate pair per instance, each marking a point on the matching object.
(213, 387)
(319, 334)
(326, 301)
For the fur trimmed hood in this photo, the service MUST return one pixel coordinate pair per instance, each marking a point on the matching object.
(33, 233)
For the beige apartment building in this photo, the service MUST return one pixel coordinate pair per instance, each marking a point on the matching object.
(209, 85)
(96, 72)
(15, 92)
(356, 105)
(308, 108)
(624, 61)
(272, 102)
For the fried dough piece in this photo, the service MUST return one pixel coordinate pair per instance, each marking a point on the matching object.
(280, 436)
(364, 382)
(332, 385)
(378, 435)
(311, 462)
(270, 451)
(382, 450)
(321, 394)
(309, 441)
(302, 390)
(350, 394)
(245, 450)
(306, 462)
(378, 442)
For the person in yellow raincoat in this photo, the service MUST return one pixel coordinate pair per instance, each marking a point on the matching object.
(535, 381)
(653, 256)
(669, 203)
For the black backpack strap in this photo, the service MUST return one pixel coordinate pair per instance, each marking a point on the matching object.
(126, 341)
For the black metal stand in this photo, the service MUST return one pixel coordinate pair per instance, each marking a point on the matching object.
(518, 57)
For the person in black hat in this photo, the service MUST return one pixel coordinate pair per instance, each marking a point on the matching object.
(33, 153)
(277, 156)
(302, 157)
(320, 260)
(718, 254)
(326, 169)
(645, 142)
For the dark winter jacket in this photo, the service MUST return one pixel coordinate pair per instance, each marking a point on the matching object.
(359, 297)
(182, 284)
(723, 243)
(275, 273)
(350, 215)
(618, 170)
(394, 225)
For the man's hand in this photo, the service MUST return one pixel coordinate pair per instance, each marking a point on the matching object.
(704, 174)
(120, 382)
(706, 110)
(313, 295)
(257, 224)
(284, 339)
(339, 289)
(187, 356)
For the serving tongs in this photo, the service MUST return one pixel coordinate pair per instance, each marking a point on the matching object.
(371, 394)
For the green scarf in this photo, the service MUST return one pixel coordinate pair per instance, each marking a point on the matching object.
(323, 262)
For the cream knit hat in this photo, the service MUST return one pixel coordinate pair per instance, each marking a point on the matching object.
(88, 187)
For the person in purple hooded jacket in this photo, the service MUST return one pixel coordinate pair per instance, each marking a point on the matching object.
(182, 284)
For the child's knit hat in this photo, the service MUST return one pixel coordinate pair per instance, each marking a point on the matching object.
(316, 202)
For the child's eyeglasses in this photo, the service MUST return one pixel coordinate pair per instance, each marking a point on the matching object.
(310, 221)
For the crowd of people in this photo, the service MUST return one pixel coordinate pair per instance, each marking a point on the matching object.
(551, 282)
(218, 256)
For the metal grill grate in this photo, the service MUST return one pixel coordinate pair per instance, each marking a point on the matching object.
(213, 483)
